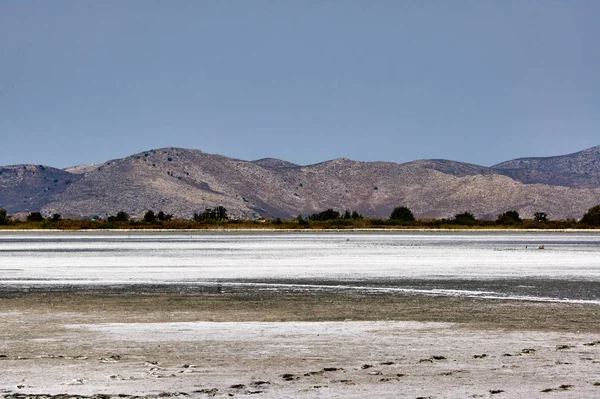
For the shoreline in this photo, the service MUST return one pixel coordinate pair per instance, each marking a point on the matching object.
(311, 230)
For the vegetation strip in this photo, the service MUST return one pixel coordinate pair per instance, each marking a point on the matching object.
(217, 218)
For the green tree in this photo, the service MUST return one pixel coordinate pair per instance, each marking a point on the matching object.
(540, 217)
(163, 216)
(351, 215)
(150, 217)
(402, 214)
(465, 218)
(122, 217)
(56, 217)
(328, 214)
(509, 218)
(592, 216)
(356, 215)
(217, 214)
(221, 213)
(35, 217)
(3, 216)
(302, 221)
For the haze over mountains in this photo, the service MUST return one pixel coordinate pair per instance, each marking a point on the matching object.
(183, 181)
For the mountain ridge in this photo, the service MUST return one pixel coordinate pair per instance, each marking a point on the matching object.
(184, 181)
(580, 169)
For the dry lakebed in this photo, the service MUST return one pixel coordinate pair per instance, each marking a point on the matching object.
(303, 315)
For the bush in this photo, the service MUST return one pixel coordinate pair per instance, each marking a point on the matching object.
(150, 217)
(107, 225)
(465, 218)
(509, 218)
(329, 214)
(402, 214)
(211, 215)
(592, 216)
(301, 221)
(340, 222)
(35, 217)
(540, 217)
(163, 217)
(122, 217)
(3, 216)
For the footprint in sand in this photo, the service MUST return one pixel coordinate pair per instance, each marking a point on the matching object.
(564, 387)
(564, 347)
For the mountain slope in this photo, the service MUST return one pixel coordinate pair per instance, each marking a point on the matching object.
(580, 169)
(274, 163)
(183, 181)
(80, 169)
(27, 188)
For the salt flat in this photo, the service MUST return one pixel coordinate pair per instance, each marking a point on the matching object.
(387, 359)
(143, 258)
(332, 315)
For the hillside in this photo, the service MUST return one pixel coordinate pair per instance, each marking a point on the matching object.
(183, 181)
(580, 169)
(27, 188)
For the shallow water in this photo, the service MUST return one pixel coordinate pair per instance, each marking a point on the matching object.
(474, 264)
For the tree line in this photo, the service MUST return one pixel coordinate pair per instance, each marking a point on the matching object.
(329, 218)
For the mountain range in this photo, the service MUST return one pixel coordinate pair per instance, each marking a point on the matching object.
(184, 181)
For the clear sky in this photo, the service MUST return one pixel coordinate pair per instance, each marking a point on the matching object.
(475, 81)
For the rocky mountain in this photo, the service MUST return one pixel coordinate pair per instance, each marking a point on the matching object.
(580, 169)
(183, 181)
(80, 169)
(27, 188)
(274, 163)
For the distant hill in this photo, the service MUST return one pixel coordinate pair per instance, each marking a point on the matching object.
(580, 169)
(183, 181)
(453, 168)
(80, 169)
(28, 188)
(274, 163)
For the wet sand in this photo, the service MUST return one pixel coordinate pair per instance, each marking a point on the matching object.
(162, 341)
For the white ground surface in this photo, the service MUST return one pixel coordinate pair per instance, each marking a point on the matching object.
(153, 358)
(53, 355)
(173, 257)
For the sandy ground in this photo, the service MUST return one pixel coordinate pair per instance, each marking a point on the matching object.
(162, 342)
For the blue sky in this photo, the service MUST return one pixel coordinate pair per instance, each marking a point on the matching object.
(306, 81)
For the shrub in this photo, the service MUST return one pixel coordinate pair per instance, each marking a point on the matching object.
(211, 215)
(465, 218)
(301, 221)
(35, 217)
(163, 217)
(107, 225)
(3, 216)
(402, 214)
(329, 214)
(150, 217)
(540, 217)
(122, 217)
(509, 218)
(592, 216)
